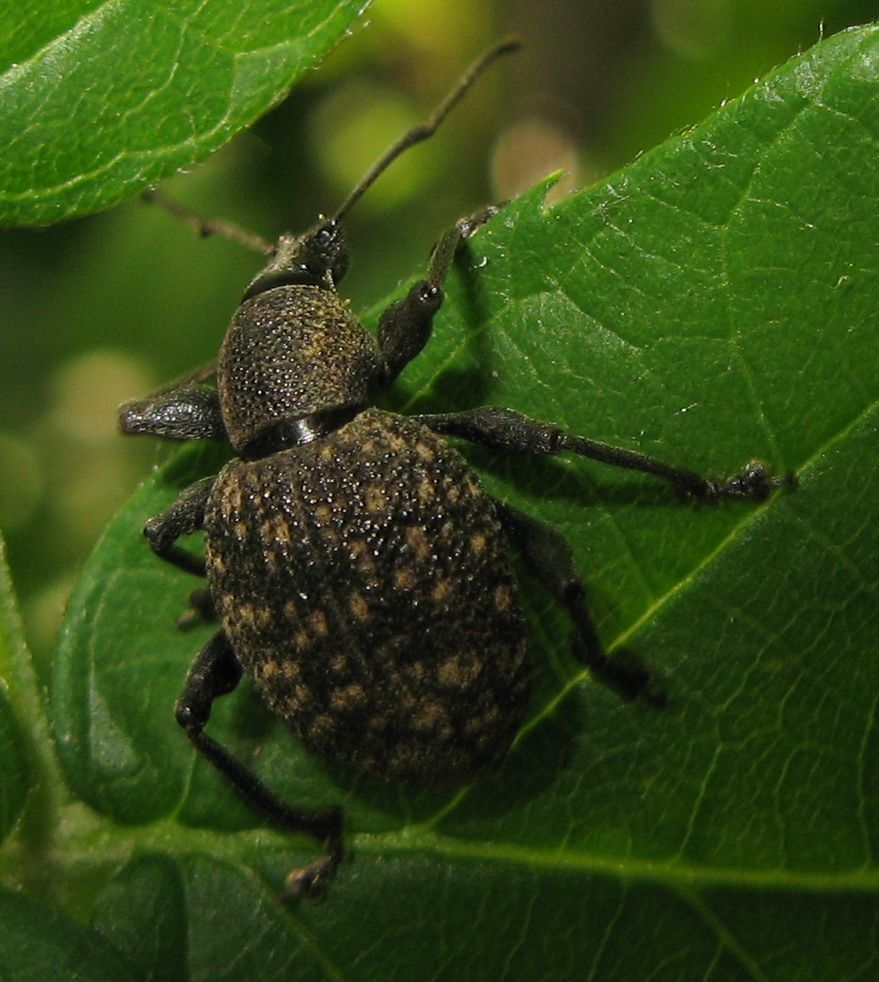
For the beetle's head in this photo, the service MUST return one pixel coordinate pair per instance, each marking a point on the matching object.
(294, 357)
(318, 257)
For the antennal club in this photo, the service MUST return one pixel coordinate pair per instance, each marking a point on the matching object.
(425, 130)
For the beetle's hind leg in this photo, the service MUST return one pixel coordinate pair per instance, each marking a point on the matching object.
(548, 554)
(214, 673)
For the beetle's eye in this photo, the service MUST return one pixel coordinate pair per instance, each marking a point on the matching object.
(324, 238)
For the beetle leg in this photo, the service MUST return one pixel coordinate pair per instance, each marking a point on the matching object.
(404, 328)
(184, 516)
(200, 610)
(548, 554)
(506, 429)
(214, 673)
(205, 227)
(186, 412)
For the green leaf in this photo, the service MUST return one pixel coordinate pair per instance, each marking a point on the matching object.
(99, 100)
(714, 301)
(42, 945)
(15, 771)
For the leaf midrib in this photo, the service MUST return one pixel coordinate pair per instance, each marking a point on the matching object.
(82, 838)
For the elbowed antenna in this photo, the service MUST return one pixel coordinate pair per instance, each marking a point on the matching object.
(251, 240)
(425, 130)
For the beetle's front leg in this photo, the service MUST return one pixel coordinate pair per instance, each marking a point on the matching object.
(183, 517)
(180, 412)
(404, 328)
(508, 430)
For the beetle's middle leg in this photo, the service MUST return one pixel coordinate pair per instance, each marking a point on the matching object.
(215, 673)
(200, 609)
(184, 516)
(506, 429)
(548, 554)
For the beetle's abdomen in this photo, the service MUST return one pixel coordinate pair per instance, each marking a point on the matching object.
(364, 583)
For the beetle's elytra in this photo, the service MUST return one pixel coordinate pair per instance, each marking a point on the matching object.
(359, 572)
(365, 582)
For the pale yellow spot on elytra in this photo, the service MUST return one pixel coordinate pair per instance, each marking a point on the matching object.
(339, 664)
(319, 623)
(262, 616)
(275, 529)
(301, 695)
(321, 727)
(404, 578)
(457, 673)
(395, 442)
(323, 513)
(360, 556)
(442, 590)
(358, 607)
(375, 501)
(416, 672)
(428, 716)
(231, 499)
(418, 542)
(425, 452)
(348, 696)
(502, 597)
(290, 669)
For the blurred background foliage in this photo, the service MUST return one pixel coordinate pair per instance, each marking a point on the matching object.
(105, 308)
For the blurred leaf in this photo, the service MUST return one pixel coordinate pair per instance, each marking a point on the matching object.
(15, 774)
(99, 100)
(43, 945)
(715, 300)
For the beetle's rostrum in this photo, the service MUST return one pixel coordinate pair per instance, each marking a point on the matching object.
(360, 573)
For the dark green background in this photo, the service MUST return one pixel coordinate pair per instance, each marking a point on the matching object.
(715, 300)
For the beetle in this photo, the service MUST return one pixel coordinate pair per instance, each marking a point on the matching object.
(360, 573)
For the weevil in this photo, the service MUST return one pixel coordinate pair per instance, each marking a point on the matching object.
(360, 573)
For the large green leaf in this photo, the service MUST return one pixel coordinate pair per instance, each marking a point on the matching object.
(714, 301)
(100, 99)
